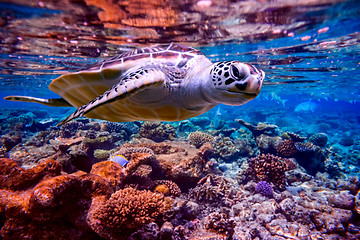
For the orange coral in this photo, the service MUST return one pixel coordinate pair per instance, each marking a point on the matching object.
(112, 171)
(33, 198)
(138, 159)
(125, 209)
(14, 177)
(167, 187)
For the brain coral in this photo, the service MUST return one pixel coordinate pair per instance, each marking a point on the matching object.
(319, 139)
(125, 209)
(268, 168)
(199, 138)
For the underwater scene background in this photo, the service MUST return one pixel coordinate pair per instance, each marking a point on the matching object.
(283, 166)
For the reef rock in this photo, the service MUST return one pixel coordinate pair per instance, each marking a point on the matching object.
(179, 161)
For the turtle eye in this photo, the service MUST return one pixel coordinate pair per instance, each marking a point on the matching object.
(236, 73)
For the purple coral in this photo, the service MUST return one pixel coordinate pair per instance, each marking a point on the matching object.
(264, 188)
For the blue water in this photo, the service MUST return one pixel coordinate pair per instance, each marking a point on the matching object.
(308, 52)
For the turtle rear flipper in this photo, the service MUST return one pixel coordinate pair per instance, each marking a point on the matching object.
(52, 102)
(128, 85)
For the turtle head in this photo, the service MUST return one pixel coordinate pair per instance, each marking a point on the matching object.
(234, 82)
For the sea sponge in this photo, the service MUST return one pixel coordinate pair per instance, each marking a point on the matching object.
(199, 138)
(157, 131)
(268, 168)
(286, 148)
(126, 209)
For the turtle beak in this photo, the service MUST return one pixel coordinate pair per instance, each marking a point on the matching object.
(254, 83)
(251, 86)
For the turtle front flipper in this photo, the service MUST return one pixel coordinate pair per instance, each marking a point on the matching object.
(128, 85)
(52, 102)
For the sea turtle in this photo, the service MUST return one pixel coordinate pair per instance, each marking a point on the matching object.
(161, 83)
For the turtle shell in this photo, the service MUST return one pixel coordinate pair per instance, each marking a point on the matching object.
(79, 88)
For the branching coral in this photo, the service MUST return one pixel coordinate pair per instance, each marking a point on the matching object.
(220, 223)
(199, 138)
(157, 131)
(268, 168)
(211, 189)
(125, 209)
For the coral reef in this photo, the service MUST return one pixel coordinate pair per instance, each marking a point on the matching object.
(44, 202)
(9, 141)
(178, 161)
(319, 139)
(260, 128)
(264, 188)
(226, 149)
(267, 144)
(199, 138)
(167, 187)
(172, 189)
(268, 168)
(286, 148)
(157, 131)
(126, 209)
(211, 189)
(221, 223)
